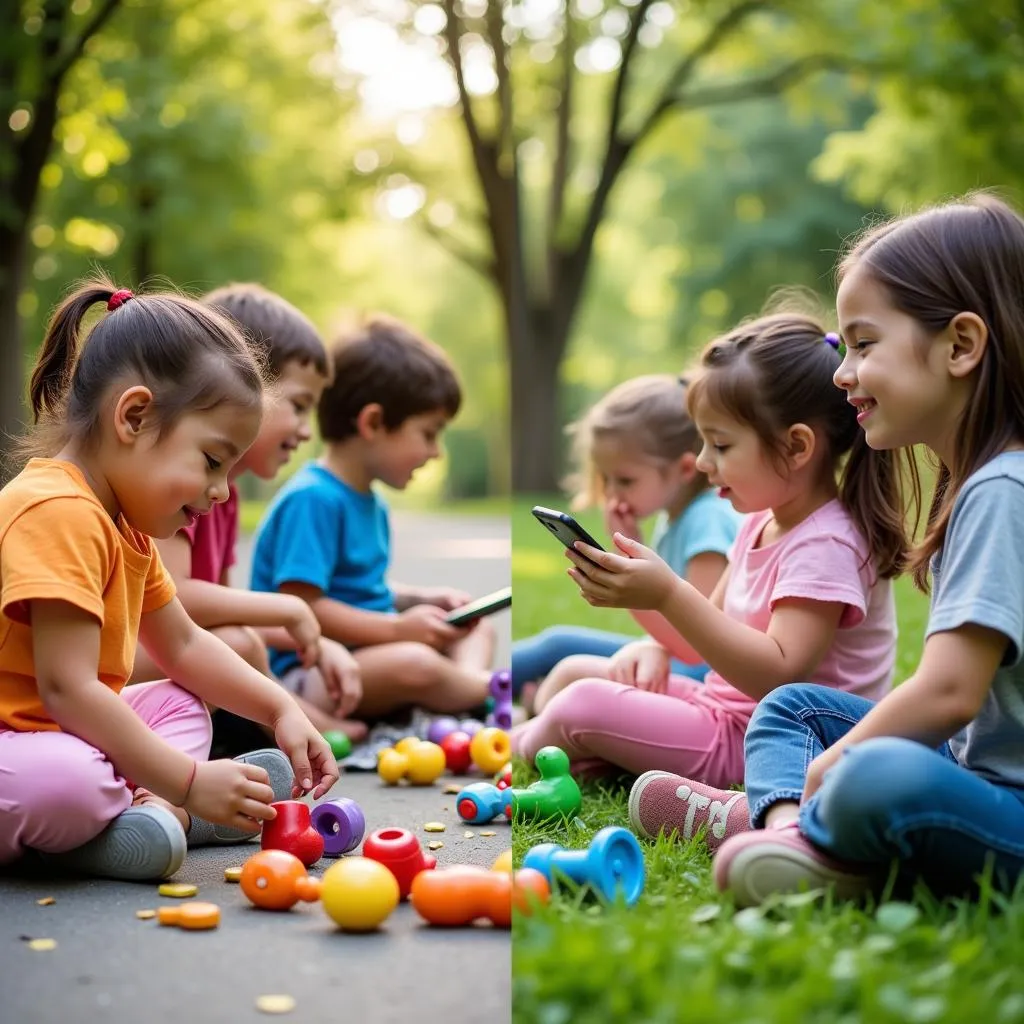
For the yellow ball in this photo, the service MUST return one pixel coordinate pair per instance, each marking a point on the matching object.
(503, 862)
(358, 894)
(426, 763)
(392, 765)
(403, 746)
(490, 748)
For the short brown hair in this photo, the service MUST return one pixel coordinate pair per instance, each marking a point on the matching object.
(280, 332)
(383, 361)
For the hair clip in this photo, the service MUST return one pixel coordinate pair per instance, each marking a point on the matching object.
(833, 339)
(119, 298)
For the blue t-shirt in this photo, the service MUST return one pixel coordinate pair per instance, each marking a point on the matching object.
(978, 577)
(320, 531)
(709, 524)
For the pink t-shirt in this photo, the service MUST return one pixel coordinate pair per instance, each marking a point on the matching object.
(821, 559)
(213, 538)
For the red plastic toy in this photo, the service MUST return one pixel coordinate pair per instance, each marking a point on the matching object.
(456, 751)
(400, 852)
(292, 831)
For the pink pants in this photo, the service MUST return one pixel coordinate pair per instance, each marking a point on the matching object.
(57, 791)
(682, 731)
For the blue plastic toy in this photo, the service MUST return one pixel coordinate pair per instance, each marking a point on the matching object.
(613, 865)
(481, 802)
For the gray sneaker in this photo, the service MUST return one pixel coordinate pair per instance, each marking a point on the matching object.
(282, 778)
(142, 844)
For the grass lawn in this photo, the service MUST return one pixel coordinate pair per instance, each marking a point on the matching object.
(684, 954)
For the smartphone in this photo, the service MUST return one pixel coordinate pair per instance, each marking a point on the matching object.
(480, 607)
(564, 527)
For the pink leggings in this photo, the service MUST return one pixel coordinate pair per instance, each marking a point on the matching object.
(682, 731)
(57, 791)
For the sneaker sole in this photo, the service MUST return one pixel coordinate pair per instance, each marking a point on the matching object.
(634, 800)
(754, 874)
(135, 847)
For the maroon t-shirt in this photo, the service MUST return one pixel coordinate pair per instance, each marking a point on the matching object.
(213, 538)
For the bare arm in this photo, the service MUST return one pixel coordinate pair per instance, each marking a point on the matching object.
(675, 643)
(66, 650)
(353, 627)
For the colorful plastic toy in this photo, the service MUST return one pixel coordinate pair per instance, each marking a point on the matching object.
(340, 744)
(341, 825)
(442, 727)
(490, 749)
(194, 916)
(456, 751)
(613, 866)
(501, 691)
(419, 761)
(462, 894)
(400, 852)
(503, 862)
(504, 778)
(277, 880)
(555, 794)
(471, 726)
(358, 894)
(293, 832)
(480, 802)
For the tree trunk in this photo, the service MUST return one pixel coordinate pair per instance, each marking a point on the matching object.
(536, 347)
(13, 251)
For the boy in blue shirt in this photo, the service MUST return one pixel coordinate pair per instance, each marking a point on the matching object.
(326, 535)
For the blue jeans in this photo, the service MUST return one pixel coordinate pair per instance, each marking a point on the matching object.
(887, 798)
(534, 657)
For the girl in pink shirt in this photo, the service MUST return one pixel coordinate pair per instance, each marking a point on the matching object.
(807, 594)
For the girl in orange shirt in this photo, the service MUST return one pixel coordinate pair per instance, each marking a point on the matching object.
(138, 433)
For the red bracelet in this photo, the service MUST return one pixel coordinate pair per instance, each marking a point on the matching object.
(188, 788)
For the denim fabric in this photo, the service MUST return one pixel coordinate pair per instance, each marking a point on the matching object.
(887, 798)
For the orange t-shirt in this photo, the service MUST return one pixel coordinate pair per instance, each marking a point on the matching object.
(57, 542)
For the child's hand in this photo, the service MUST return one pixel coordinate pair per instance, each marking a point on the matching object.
(639, 579)
(425, 624)
(643, 664)
(620, 518)
(447, 598)
(231, 793)
(342, 677)
(304, 629)
(311, 757)
(817, 768)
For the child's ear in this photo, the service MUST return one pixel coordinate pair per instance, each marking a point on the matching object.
(969, 339)
(687, 467)
(132, 412)
(800, 445)
(370, 421)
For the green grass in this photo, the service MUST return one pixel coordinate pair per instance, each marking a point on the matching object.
(683, 953)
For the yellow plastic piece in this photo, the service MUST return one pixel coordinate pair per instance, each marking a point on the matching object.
(233, 874)
(503, 862)
(426, 763)
(180, 890)
(392, 765)
(490, 749)
(358, 894)
(403, 746)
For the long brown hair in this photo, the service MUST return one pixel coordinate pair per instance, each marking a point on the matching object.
(777, 370)
(190, 356)
(966, 256)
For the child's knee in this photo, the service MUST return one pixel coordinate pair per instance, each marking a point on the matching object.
(581, 703)
(418, 665)
(247, 644)
(573, 668)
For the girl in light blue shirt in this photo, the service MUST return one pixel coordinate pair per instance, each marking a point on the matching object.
(637, 451)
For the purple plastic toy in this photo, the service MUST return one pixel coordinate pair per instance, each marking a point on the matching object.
(441, 727)
(470, 726)
(341, 823)
(501, 691)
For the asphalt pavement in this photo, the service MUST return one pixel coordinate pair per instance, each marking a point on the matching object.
(108, 965)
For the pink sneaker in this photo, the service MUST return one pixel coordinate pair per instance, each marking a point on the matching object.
(758, 864)
(661, 802)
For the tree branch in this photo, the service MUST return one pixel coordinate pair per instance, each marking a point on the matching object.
(473, 260)
(495, 23)
(74, 51)
(451, 34)
(560, 166)
(728, 23)
(628, 49)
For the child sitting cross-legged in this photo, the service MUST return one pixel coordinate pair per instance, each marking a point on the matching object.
(326, 537)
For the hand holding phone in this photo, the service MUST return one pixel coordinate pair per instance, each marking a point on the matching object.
(564, 527)
(480, 608)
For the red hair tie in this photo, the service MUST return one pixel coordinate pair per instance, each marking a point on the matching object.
(119, 298)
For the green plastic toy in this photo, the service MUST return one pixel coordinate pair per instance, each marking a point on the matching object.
(340, 744)
(555, 794)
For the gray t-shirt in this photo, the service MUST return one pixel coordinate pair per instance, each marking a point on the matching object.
(978, 577)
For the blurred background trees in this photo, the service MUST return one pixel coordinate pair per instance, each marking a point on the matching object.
(560, 194)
